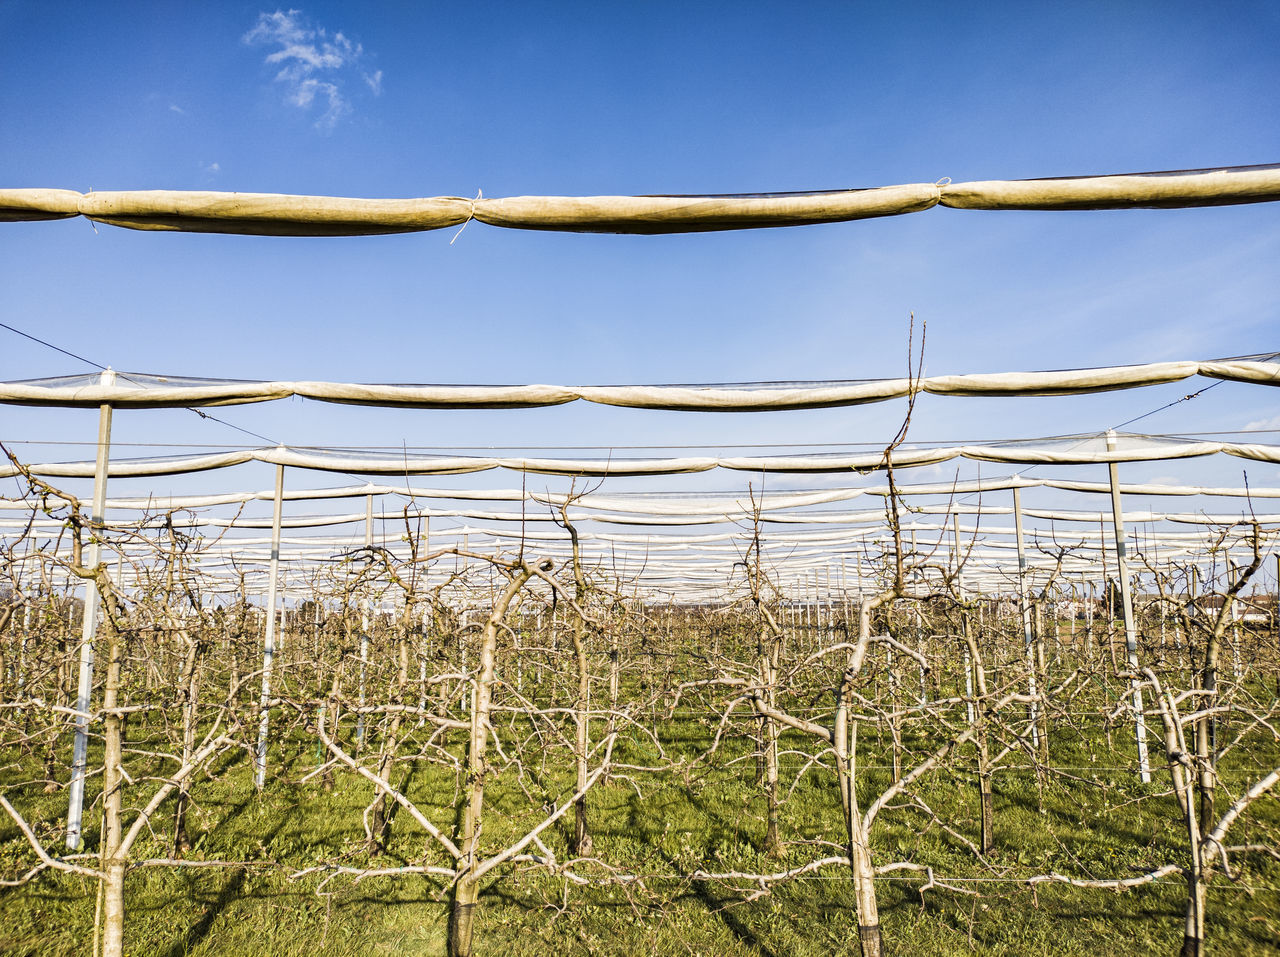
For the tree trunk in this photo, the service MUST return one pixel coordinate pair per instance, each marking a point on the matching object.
(1193, 937)
(462, 917)
(769, 742)
(113, 863)
(381, 817)
(980, 736)
(894, 729)
(466, 891)
(582, 843)
(190, 684)
(864, 887)
(113, 910)
(1205, 728)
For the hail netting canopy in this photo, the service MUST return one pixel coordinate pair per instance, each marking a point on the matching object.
(276, 214)
(801, 529)
(505, 518)
(1064, 450)
(143, 390)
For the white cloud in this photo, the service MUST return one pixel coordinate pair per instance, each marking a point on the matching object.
(210, 168)
(1264, 425)
(177, 109)
(312, 63)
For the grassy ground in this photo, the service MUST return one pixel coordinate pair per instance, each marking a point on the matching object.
(713, 818)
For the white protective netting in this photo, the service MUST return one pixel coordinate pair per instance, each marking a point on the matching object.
(275, 214)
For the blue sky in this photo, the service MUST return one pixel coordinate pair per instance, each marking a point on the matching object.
(448, 99)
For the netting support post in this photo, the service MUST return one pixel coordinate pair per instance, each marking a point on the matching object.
(1126, 604)
(1024, 606)
(364, 625)
(269, 636)
(84, 689)
(423, 644)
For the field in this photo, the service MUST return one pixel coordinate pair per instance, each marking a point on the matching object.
(682, 805)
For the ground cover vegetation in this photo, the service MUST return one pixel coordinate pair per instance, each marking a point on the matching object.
(457, 751)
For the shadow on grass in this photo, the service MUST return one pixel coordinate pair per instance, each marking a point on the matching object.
(720, 829)
(231, 892)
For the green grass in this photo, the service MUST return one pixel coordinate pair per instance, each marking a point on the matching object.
(713, 817)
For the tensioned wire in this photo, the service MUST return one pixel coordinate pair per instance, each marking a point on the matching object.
(100, 367)
(1242, 887)
(200, 412)
(1096, 435)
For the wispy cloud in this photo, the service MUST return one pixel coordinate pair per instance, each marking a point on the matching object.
(174, 107)
(1271, 424)
(313, 64)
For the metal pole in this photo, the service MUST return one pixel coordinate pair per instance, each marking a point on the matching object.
(364, 624)
(269, 639)
(1088, 614)
(426, 634)
(80, 749)
(827, 601)
(1126, 604)
(1025, 606)
(844, 593)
